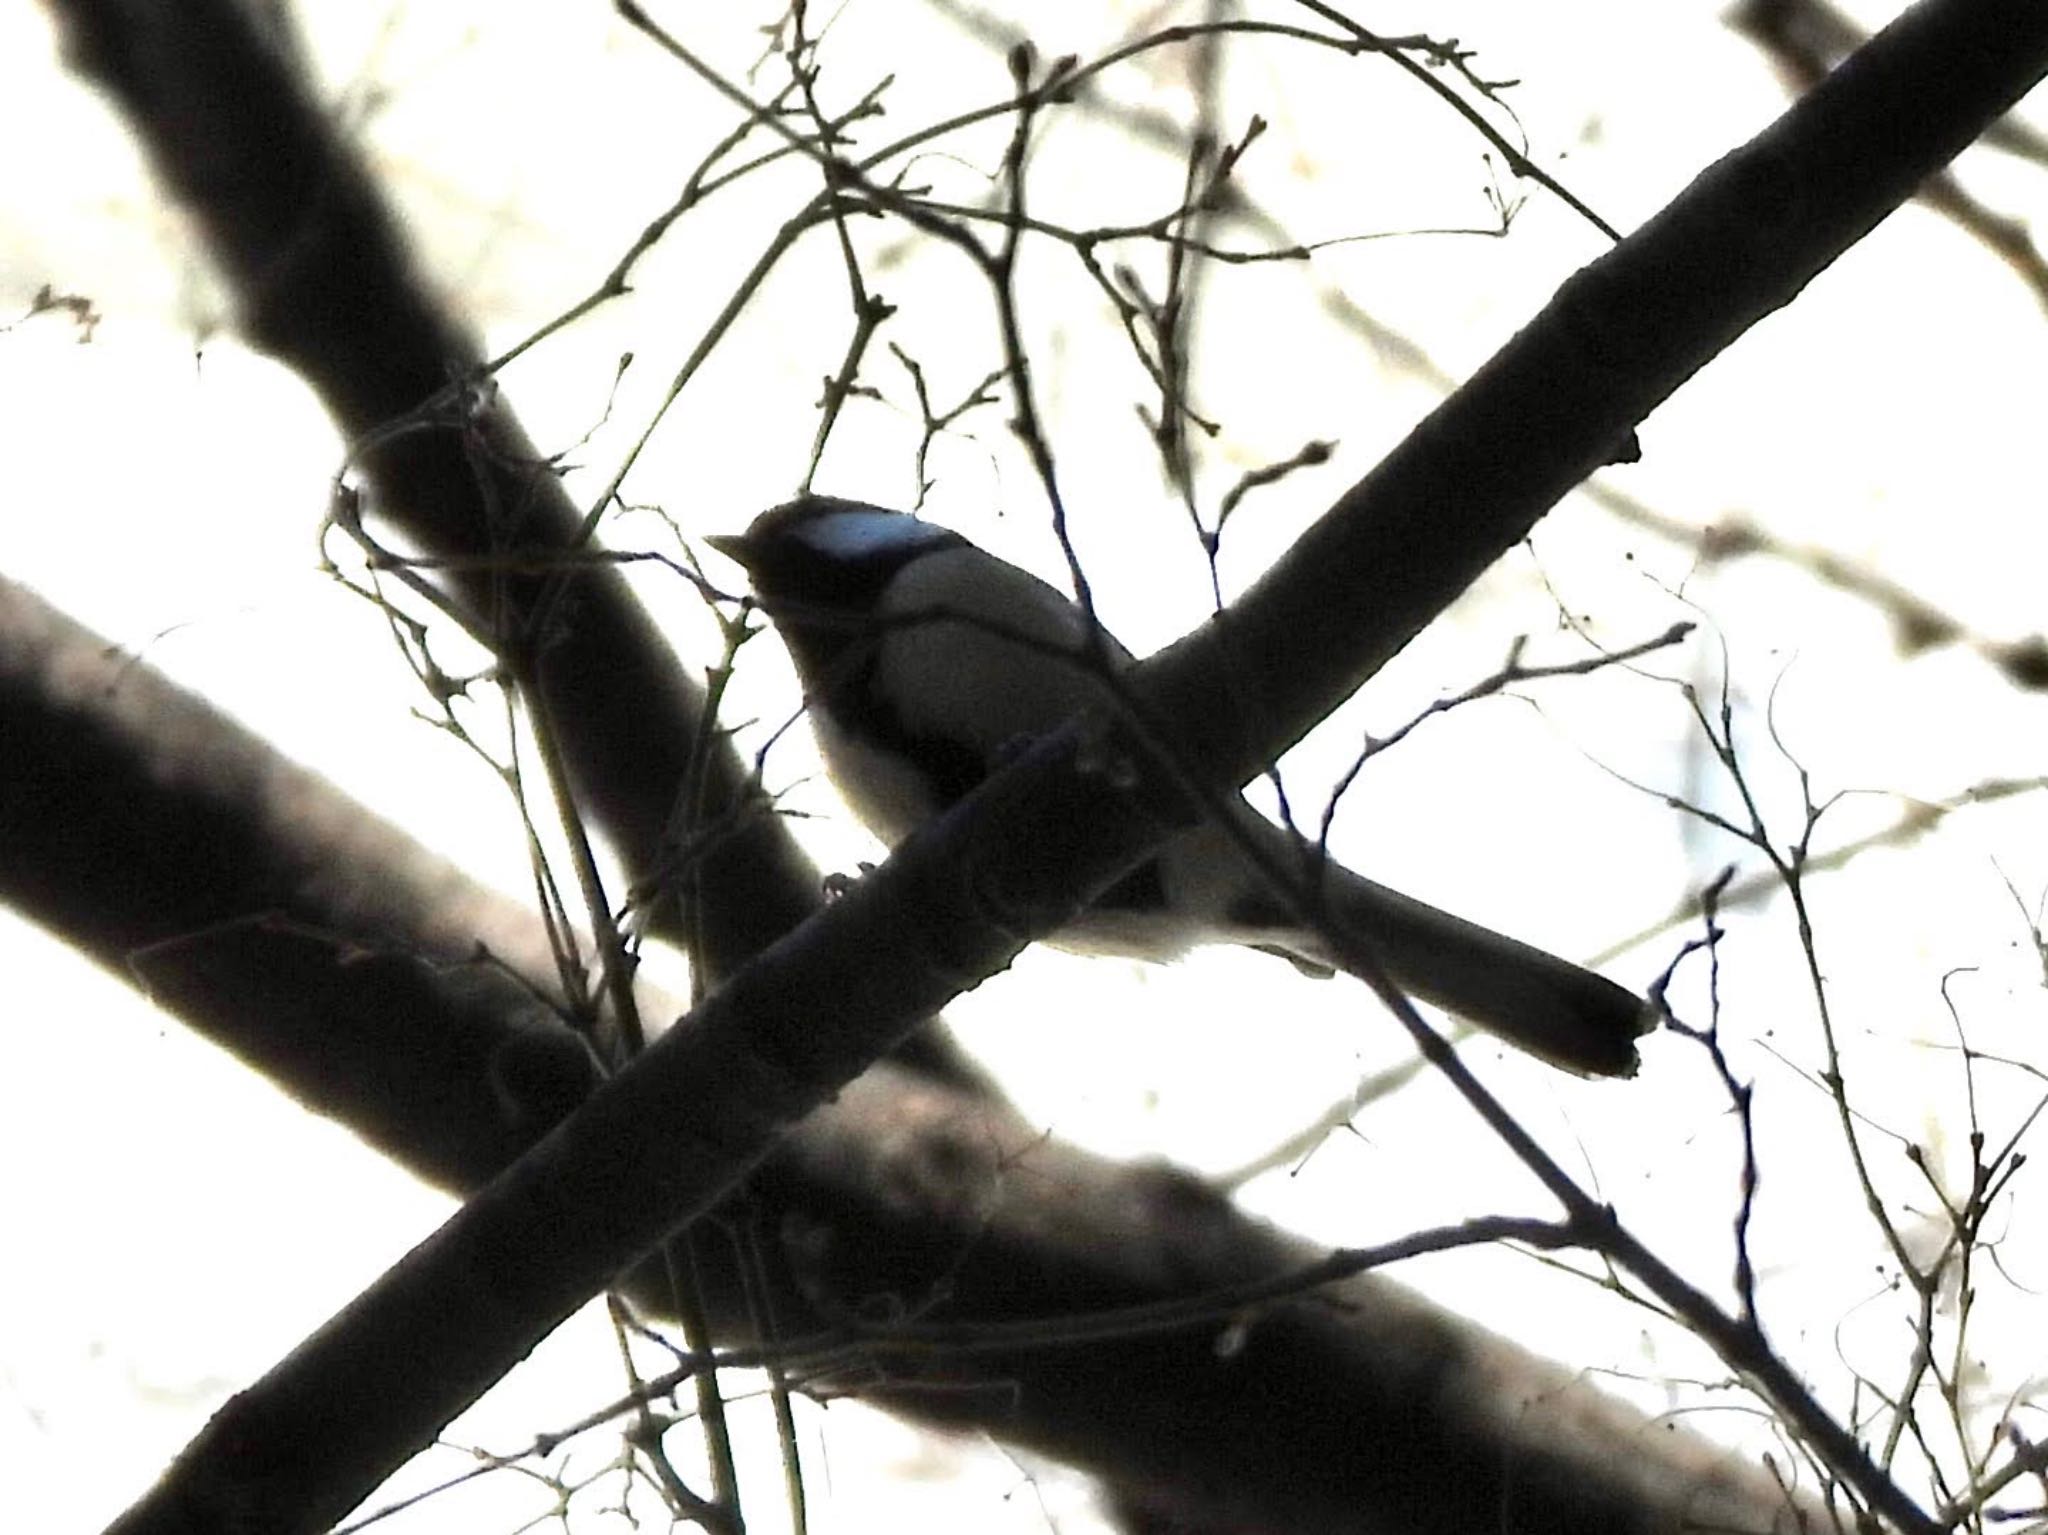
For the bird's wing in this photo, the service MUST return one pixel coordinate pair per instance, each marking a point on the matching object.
(1019, 669)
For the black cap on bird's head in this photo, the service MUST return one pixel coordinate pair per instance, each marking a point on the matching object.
(826, 551)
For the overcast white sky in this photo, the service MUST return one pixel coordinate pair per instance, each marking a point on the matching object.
(176, 1225)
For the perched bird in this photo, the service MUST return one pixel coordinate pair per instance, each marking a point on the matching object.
(911, 715)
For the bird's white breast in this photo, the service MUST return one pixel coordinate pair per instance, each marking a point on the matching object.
(891, 799)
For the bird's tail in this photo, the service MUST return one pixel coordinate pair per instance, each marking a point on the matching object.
(1550, 1007)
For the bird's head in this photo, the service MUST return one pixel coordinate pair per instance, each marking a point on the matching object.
(824, 553)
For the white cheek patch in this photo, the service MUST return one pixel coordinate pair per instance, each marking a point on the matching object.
(852, 536)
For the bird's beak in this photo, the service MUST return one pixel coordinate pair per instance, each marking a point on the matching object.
(733, 546)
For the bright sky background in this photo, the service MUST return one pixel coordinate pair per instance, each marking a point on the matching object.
(177, 1225)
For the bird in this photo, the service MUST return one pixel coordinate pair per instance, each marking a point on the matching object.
(910, 716)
